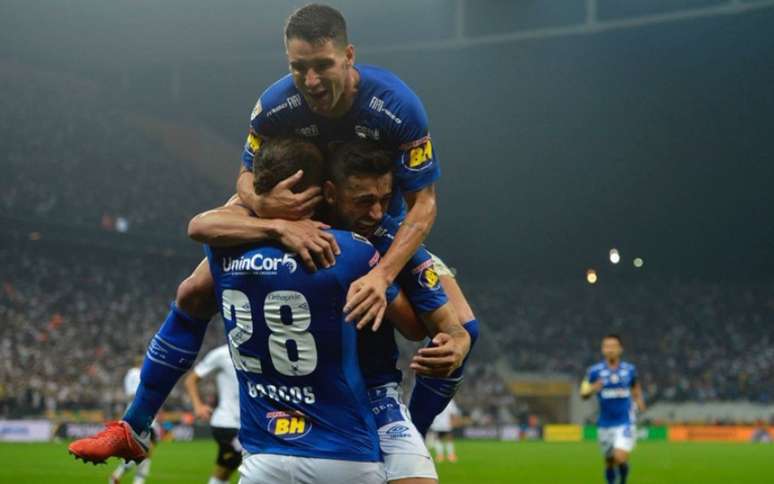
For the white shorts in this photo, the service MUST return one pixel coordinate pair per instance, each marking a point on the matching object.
(622, 437)
(288, 469)
(404, 450)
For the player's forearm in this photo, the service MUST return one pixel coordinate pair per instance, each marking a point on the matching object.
(192, 389)
(445, 320)
(226, 228)
(413, 231)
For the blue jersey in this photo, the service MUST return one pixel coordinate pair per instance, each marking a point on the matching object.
(301, 389)
(385, 110)
(418, 279)
(615, 398)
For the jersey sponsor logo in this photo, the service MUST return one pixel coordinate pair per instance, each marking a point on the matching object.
(417, 157)
(367, 133)
(256, 110)
(615, 393)
(398, 432)
(254, 141)
(287, 426)
(294, 101)
(377, 105)
(308, 131)
(374, 260)
(259, 264)
(426, 275)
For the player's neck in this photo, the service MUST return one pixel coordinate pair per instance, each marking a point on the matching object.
(348, 96)
(613, 363)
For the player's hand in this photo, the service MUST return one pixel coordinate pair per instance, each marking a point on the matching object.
(597, 386)
(310, 241)
(282, 203)
(439, 360)
(367, 299)
(203, 411)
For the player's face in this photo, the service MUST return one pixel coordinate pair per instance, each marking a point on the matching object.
(611, 349)
(321, 72)
(359, 204)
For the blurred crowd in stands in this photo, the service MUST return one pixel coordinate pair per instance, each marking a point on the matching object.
(74, 320)
(71, 156)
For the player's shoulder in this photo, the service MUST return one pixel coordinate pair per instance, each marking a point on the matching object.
(596, 367)
(280, 97)
(387, 93)
(355, 248)
(626, 365)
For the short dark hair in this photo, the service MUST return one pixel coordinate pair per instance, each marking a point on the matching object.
(316, 24)
(279, 158)
(614, 336)
(359, 157)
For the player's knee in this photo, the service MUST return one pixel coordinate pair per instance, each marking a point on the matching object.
(196, 297)
(620, 457)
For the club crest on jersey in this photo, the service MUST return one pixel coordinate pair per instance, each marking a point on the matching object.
(258, 264)
(287, 426)
(426, 275)
(418, 155)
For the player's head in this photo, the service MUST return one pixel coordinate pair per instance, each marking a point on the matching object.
(320, 57)
(358, 186)
(612, 347)
(280, 158)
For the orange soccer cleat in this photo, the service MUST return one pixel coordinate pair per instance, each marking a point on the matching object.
(117, 440)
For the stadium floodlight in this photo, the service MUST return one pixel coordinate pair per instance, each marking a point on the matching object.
(591, 276)
(638, 262)
(615, 256)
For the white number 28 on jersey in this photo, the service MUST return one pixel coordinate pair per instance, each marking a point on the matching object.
(291, 346)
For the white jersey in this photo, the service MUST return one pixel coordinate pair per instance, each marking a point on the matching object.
(443, 421)
(227, 412)
(131, 382)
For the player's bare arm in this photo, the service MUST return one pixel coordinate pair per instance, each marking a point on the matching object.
(201, 409)
(369, 291)
(452, 343)
(638, 399)
(587, 390)
(280, 202)
(401, 314)
(235, 224)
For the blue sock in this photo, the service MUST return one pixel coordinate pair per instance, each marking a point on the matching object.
(170, 354)
(610, 475)
(432, 395)
(623, 472)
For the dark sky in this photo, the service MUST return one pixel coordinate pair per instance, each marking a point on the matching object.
(658, 140)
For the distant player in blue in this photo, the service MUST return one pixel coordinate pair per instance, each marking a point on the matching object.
(618, 389)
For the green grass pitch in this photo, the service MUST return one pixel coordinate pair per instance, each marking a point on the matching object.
(480, 463)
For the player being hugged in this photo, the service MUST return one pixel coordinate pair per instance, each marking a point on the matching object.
(618, 390)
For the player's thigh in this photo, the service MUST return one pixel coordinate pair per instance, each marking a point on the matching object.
(262, 468)
(452, 289)
(404, 451)
(606, 440)
(229, 451)
(196, 293)
(624, 442)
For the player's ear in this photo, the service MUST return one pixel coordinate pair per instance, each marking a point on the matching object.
(329, 192)
(349, 52)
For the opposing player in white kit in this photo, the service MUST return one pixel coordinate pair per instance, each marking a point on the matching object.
(441, 433)
(131, 382)
(617, 387)
(224, 420)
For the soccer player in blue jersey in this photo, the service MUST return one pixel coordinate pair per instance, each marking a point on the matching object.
(617, 387)
(328, 99)
(357, 192)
